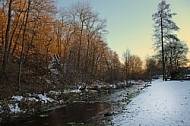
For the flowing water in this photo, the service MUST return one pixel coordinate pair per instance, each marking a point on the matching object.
(71, 114)
(79, 113)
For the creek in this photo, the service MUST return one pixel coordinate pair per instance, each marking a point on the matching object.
(80, 113)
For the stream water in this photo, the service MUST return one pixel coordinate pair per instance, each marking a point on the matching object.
(71, 114)
(78, 113)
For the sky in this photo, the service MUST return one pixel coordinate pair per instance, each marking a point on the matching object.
(130, 24)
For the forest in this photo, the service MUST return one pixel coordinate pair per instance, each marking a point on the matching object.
(43, 47)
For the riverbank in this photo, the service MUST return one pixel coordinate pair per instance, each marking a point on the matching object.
(21, 107)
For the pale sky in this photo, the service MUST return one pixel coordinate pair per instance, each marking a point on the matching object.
(130, 23)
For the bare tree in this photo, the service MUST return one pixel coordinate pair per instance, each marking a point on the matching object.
(152, 68)
(175, 53)
(23, 43)
(127, 56)
(81, 31)
(135, 67)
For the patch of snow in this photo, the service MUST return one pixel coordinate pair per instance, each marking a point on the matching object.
(55, 92)
(14, 108)
(80, 86)
(44, 98)
(131, 82)
(61, 101)
(1, 109)
(75, 91)
(71, 91)
(66, 91)
(99, 86)
(113, 86)
(33, 99)
(54, 71)
(17, 98)
(164, 103)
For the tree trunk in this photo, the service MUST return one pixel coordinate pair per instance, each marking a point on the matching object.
(14, 31)
(162, 41)
(23, 44)
(5, 56)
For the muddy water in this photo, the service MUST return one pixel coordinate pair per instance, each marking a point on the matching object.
(72, 114)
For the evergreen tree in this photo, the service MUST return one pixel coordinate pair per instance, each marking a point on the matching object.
(163, 28)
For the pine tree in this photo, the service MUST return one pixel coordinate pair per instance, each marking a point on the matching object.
(163, 28)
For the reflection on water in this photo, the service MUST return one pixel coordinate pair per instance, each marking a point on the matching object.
(72, 113)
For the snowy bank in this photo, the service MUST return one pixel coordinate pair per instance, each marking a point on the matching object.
(164, 103)
(30, 103)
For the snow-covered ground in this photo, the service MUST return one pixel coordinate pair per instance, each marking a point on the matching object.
(14, 102)
(162, 104)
